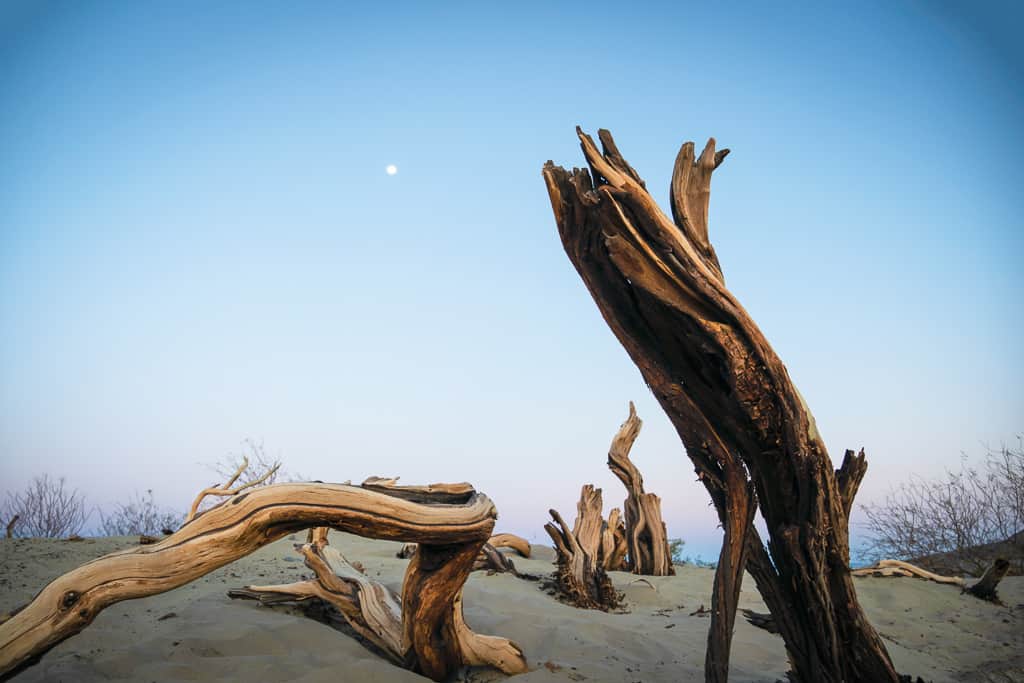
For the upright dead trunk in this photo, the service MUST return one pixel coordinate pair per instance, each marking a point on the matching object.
(659, 286)
(580, 577)
(646, 537)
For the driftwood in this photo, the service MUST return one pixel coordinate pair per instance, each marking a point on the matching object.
(659, 286)
(434, 634)
(899, 568)
(375, 612)
(581, 578)
(490, 557)
(614, 544)
(984, 588)
(646, 536)
(493, 560)
(10, 525)
(516, 543)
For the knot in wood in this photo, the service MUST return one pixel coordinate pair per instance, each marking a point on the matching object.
(69, 599)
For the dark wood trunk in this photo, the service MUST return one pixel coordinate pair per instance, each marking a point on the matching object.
(752, 439)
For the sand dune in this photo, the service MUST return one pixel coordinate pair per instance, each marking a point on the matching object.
(196, 633)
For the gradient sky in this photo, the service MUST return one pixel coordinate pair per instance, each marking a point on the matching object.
(199, 243)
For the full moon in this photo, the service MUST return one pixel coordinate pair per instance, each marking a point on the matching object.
(391, 169)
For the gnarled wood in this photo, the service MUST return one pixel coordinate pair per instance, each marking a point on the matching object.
(659, 286)
(646, 536)
(516, 543)
(580, 577)
(614, 545)
(449, 535)
(899, 568)
(375, 612)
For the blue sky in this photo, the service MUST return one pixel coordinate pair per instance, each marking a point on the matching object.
(199, 243)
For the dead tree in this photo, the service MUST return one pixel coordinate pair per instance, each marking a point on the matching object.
(646, 535)
(985, 588)
(581, 578)
(375, 612)
(450, 524)
(659, 286)
(614, 544)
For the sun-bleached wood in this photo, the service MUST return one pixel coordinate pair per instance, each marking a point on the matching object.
(225, 490)
(581, 578)
(659, 285)
(614, 545)
(375, 612)
(516, 543)
(900, 568)
(449, 535)
(646, 536)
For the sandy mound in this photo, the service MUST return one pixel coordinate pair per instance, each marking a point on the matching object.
(196, 633)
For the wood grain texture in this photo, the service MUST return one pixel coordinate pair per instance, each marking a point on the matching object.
(248, 521)
(646, 536)
(750, 435)
(581, 578)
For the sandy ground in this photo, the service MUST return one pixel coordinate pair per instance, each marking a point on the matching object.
(196, 633)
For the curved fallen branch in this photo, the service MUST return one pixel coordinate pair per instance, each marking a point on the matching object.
(984, 588)
(517, 543)
(450, 536)
(900, 568)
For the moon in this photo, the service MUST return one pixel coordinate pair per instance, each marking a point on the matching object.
(391, 169)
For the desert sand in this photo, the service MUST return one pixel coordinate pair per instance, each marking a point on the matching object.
(197, 633)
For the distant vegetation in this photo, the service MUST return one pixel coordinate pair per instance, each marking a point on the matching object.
(49, 508)
(958, 523)
(140, 516)
(46, 508)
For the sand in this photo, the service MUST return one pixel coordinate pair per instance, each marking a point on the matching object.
(196, 633)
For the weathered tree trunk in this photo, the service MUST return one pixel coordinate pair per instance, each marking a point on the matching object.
(581, 577)
(10, 525)
(434, 637)
(646, 536)
(985, 588)
(659, 286)
(614, 544)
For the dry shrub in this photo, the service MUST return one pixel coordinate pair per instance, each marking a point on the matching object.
(46, 508)
(140, 516)
(957, 524)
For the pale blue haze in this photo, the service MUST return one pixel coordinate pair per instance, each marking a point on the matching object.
(199, 243)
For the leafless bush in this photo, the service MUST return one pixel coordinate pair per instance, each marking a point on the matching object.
(958, 523)
(46, 508)
(139, 516)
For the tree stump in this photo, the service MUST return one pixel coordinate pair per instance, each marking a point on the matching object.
(659, 286)
(985, 588)
(614, 545)
(433, 639)
(646, 536)
(581, 578)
